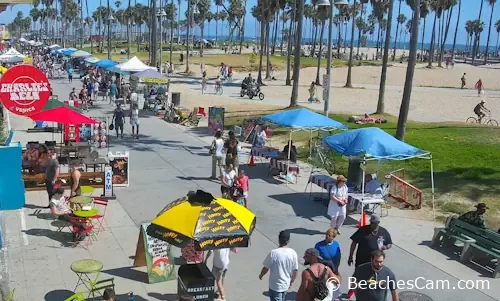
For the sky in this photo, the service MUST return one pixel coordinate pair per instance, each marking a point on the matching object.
(470, 11)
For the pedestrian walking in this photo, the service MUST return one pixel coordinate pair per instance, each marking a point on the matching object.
(118, 120)
(51, 174)
(338, 201)
(231, 150)
(373, 280)
(220, 266)
(464, 80)
(480, 88)
(319, 282)
(217, 151)
(282, 265)
(242, 183)
(329, 250)
(112, 92)
(368, 239)
(134, 120)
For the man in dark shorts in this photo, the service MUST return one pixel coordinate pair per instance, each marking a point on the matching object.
(478, 110)
(118, 120)
(368, 239)
(51, 174)
(231, 149)
(373, 280)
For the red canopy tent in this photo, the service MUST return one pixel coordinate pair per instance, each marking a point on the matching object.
(63, 115)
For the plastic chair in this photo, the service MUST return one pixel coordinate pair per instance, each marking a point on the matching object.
(10, 297)
(87, 190)
(76, 297)
(97, 287)
(101, 204)
(201, 111)
(82, 226)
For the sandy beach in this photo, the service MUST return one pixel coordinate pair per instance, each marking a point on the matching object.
(428, 104)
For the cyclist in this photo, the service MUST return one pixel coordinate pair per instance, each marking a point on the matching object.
(217, 83)
(478, 110)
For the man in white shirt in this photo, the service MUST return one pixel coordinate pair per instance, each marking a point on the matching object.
(282, 264)
(220, 266)
(372, 185)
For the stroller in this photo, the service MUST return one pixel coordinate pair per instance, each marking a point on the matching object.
(236, 194)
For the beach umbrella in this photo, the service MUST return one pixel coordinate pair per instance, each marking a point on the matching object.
(106, 63)
(63, 115)
(80, 53)
(54, 103)
(210, 223)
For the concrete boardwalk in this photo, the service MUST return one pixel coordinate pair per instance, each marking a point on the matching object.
(167, 162)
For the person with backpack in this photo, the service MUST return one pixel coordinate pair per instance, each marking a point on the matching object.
(319, 282)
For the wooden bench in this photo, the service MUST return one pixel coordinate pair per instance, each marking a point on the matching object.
(37, 182)
(477, 243)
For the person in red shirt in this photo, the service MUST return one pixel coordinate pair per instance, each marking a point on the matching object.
(242, 182)
(480, 87)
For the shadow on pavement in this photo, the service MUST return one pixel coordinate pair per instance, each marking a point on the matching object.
(63, 237)
(58, 295)
(128, 273)
(301, 205)
(303, 231)
(290, 296)
(168, 297)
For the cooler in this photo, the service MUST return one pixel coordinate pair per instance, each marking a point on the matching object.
(196, 280)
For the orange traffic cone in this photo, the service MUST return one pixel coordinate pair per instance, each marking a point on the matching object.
(251, 163)
(362, 220)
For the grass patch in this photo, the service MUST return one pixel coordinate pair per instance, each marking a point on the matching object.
(466, 160)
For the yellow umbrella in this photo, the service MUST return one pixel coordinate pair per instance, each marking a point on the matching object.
(212, 223)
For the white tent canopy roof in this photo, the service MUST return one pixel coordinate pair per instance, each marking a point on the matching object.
(134, 65)
(80, 53)
(13, 52)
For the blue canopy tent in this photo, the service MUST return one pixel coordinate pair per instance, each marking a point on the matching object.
(106, 63)
(68, 51)
(375, 144)
(302, 119)
(117, 70)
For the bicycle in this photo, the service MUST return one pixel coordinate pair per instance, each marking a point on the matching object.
(218, 90)
(485, 120)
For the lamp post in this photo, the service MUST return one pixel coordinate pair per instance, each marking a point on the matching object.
(161, 15)
(326, 94)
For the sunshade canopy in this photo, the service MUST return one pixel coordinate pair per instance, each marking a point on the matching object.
(151, 76)
(68, 51)
(211, 223)
(106, 63)
(63, 115)
(80, 53)
(92, 60)
(55, 46)
(373, 143)
(303, 119)
(114, 69)
(134, 65)
(13, 52)
(54, 103)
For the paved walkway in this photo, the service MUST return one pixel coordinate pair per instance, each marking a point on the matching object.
(168, 161)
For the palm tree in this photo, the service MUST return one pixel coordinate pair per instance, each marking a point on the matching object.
(497, 27)
(385, 59)
(492, 4)
(475, 47)
(448, 5)
(203, 9)
(348, 83)
(435, 5)
(456, 30)
(418, 7)
(296, 67)
(379, 8)
(400, 16)
(322, 14)
(469, 29)
(292, 12)
(210, 16)
(257, 13)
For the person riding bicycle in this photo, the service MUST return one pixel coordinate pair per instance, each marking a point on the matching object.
(478, 110)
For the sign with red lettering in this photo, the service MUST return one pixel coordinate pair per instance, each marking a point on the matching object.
(24, 90)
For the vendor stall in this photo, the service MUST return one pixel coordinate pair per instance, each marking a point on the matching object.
(374, 144)
(299, 120)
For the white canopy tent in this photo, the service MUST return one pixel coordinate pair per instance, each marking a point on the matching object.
(32, 42)
(80, 53)
(22, 40)
(54, 46)
(12, 56)
(134, 65)
(13, 52)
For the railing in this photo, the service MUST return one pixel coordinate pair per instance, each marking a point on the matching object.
(402, 191)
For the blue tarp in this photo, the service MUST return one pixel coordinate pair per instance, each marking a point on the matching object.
(116, 70)
(106, 63)
(371, 142)
(69, 51)
(303, 119)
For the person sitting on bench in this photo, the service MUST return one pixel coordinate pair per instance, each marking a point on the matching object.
(372, 185)
(476, 218)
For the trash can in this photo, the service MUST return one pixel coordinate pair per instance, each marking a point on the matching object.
(176, 99)
(196, 280)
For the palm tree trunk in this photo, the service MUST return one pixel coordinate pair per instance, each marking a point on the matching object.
(410, 70)
(268, 52)
(261, 54)
(282, 33)
(489, 34)
(475, 48)
(433, 38)
(345, 38)
(288, 80)
(378, 40)
(296, 67)
(498, 35)
(276, 24)
(202, 29)
(456, 30)
(339, 37)
(445, 36)
(216, 24)
(397, 30)
(348, 83)
(187, 35)
(320, 52)
(385, 60)
(315, 34)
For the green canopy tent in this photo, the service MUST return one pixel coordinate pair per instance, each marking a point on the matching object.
(54, 103)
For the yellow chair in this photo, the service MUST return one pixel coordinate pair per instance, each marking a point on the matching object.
(76, 297)
(10, 297)
(87, 190)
